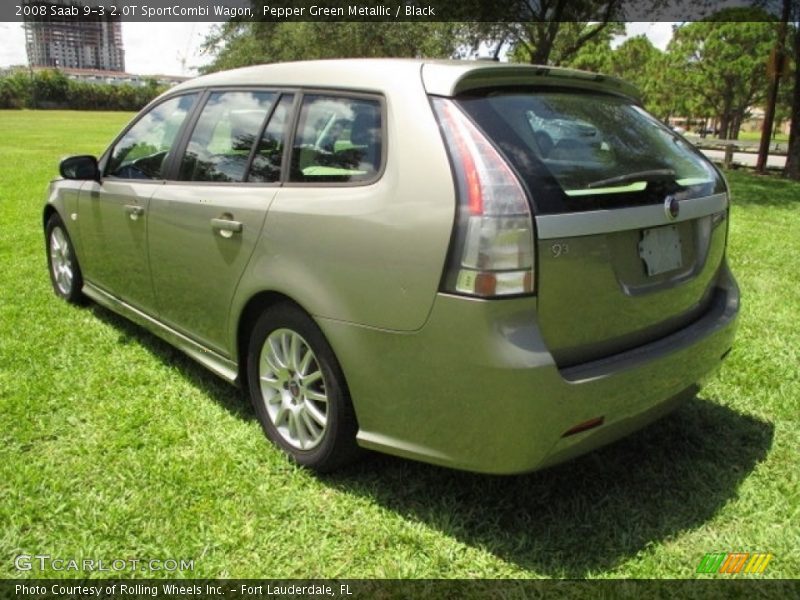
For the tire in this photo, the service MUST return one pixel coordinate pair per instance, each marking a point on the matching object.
(298, 390)
(62, 263)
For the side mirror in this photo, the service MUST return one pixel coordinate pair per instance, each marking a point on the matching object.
(80, 167)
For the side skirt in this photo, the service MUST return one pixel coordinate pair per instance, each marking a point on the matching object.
(227, 369)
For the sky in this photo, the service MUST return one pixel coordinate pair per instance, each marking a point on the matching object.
(174, 48)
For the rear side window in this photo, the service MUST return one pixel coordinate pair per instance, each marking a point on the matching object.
(143, 151)
(223, 138)
(338, 140)
(584, 150)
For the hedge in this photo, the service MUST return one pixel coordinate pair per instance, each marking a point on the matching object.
(52, 89)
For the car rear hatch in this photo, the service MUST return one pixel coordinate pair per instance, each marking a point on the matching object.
(627, 214)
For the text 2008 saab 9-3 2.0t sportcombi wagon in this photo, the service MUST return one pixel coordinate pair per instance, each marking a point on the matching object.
(490, 267)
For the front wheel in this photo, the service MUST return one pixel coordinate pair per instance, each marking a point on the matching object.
(65, 273)
(298, 390)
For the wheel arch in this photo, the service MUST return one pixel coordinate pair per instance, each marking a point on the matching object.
(251, 311)
(47, 213)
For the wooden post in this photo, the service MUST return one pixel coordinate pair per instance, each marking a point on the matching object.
(727, 162)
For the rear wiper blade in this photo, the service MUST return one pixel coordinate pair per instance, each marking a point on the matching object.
(651, 175)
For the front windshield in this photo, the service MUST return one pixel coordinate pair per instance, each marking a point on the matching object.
(592, 145)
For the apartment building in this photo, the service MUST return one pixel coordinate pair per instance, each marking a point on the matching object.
(67, 43)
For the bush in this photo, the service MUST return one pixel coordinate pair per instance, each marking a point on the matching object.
(52, 89)
(15, 91)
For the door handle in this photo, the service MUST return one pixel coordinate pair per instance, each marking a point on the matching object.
(134, 211)
(227, 227)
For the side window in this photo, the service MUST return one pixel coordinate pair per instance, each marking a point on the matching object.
(220, 145)
(338, 140)
(143, 151)
(266, 167)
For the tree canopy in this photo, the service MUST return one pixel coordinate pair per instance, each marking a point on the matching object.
(714, 70)
(723, 67)
(237, 44)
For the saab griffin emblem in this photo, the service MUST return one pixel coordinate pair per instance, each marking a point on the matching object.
(671, 207)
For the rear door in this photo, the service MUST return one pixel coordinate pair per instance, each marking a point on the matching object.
(627, 213)
(204, 224)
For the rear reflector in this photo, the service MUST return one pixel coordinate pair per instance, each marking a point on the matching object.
(585, 426)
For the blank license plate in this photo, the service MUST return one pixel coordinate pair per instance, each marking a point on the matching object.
(660, 249)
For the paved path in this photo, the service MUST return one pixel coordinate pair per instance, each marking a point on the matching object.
(744, 158)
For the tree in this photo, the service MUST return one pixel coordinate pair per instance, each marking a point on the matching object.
(549, 32)
(49, 86)
(538, 31)
(237, 44)
(638, 61)
(774, 72)
(792, 168)
(578, 44)
(783, 108)
(596, 56)
(15, 90)
(724, 63)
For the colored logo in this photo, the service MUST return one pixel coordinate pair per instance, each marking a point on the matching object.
(734, 562)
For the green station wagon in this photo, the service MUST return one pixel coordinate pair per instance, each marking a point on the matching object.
(486, 266)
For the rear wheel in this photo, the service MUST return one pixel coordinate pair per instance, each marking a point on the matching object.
(65, 273)
(298, 390)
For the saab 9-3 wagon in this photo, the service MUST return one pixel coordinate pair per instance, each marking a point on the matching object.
(487, 266)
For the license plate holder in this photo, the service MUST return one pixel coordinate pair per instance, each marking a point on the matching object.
(660, 249)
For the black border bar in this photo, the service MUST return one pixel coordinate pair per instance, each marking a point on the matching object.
(390, 10)
(728, 586)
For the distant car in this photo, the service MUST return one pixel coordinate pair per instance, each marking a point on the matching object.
(704, 131)
(679, 129)
(485, 266)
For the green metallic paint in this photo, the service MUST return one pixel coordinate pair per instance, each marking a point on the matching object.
(114, 244)
(195, 268)
(370, 254)
(450, 78)
(596, 299)
(62, 199)
(461, 382)
(214, 362)
(477, 389)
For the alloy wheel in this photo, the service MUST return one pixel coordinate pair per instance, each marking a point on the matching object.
(61, 261)
(293, 389)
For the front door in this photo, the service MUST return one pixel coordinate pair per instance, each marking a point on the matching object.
(113, 214)
(112, 217)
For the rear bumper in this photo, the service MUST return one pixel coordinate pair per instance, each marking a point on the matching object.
(477, 389)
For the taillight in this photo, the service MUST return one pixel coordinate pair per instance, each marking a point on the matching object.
(492, 253)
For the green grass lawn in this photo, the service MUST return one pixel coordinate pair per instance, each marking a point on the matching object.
(756, 136)
(114, 445)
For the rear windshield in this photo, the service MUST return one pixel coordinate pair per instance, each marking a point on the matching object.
(585, 151)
